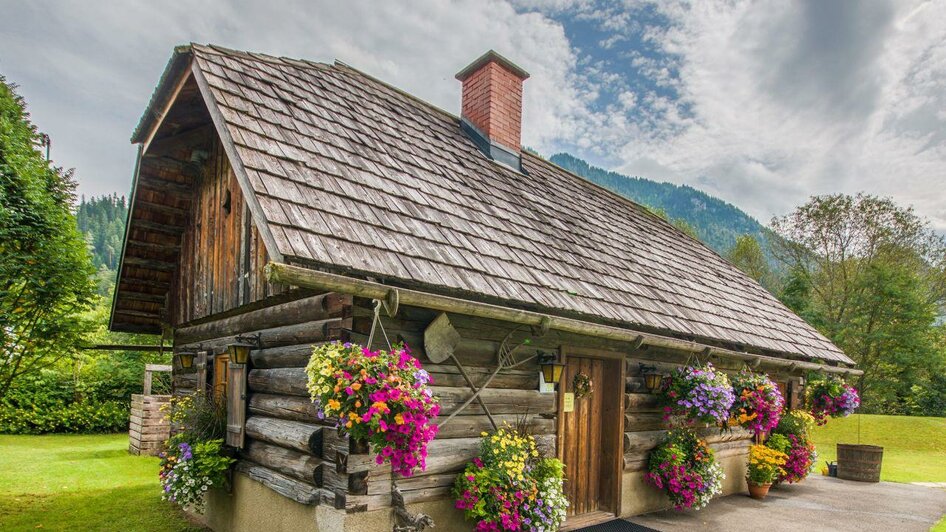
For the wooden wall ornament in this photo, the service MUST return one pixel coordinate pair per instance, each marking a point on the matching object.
(236, 405)
(440, 339)
(201, 371)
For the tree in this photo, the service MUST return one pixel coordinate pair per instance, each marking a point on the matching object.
(869, 274)
(45, 270)
(747, 255)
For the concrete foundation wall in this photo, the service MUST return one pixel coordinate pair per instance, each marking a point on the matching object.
(253, 507)
(640, 497)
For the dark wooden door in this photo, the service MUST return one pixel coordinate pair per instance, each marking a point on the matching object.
(591, 435)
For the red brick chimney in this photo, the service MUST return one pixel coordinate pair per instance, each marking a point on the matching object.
(492, 106)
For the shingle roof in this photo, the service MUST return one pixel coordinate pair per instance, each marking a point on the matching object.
(356, 176)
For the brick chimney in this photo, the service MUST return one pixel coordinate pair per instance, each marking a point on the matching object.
(492, 107)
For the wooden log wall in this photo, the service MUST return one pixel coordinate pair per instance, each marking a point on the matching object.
(293, 452)
(645, 429)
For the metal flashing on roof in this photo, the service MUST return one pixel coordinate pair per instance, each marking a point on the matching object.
(493, 150)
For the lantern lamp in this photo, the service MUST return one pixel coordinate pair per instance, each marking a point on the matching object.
(240, 350)
(551, 368)
(652, 378)
(186, 358)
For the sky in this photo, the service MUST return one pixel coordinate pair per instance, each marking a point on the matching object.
(762, 103)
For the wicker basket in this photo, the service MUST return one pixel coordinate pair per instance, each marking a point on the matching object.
(860, 462)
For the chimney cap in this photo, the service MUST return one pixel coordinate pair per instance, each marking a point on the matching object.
(492, 55)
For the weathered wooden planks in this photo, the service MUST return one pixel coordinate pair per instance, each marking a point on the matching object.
(296, 435)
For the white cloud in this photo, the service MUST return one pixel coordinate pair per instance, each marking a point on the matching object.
(87, 69)
(779, 101)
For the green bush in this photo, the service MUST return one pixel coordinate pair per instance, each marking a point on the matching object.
(84, 417)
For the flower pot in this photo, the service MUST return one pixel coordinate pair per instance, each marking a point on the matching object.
(859, 462)
(758, 491)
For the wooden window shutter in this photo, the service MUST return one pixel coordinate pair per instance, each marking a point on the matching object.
(201, 372)
(236, 404)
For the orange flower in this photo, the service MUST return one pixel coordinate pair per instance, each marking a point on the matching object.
(356, 386)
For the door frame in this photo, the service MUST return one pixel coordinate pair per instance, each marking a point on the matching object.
(617, 441)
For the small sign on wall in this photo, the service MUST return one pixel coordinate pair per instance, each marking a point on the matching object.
(569, 402)
(545, 387)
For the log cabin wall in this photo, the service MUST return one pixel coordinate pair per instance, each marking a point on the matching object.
(301, 457)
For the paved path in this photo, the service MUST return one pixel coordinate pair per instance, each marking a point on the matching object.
(818, 503)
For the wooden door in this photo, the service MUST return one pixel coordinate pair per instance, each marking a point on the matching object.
(221, 375)
(591, 435)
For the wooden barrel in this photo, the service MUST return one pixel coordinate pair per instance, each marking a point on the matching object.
(859, 462)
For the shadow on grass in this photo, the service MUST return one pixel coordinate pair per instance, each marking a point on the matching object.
(128, 508)
(104, 454)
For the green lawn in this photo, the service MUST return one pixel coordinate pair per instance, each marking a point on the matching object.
(914, 447)
(73, 482)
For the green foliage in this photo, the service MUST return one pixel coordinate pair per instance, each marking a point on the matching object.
(199, 416)
(747, 255)
(797, 423)
(779, 442)
(102, 221)
(545, 468)
(44, 266)
(84, 386)
(85, 418)
(710, 219)
(869, 275)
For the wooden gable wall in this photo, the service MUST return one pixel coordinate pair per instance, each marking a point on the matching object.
(222, 255)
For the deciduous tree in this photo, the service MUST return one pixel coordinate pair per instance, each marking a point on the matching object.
(45, 270)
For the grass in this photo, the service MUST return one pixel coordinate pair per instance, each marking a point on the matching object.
(914, 447)
(79, 482)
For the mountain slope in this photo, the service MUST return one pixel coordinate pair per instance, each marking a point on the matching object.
(717, 223)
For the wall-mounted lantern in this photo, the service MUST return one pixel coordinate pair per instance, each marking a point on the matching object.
(551, 367)
(652, 378)
(186, 358)
(240, 350)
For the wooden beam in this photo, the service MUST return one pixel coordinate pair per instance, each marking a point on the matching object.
(148, 225)
(191, 137)
(161, 285)
(153, 264)
(130, 347)
(138, 314)
(167, 209)
(143, 296)
(162, 113)
(153, 245)
(307, 278)
(165, 185)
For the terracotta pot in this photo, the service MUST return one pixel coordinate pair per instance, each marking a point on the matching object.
(758, 491)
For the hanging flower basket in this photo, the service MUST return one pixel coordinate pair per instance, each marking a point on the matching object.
(511, 487)
(376, 396)
(831, 397)
(692, 395)
(686, 469)
(758, 402)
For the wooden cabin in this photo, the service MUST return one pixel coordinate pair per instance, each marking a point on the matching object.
(283, 198)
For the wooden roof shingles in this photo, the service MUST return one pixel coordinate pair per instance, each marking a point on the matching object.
(353, 174)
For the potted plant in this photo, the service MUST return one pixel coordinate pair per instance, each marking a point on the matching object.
(765, 466)
(510, 486)
(791, 436)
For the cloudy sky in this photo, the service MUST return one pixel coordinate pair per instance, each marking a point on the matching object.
(760, 103)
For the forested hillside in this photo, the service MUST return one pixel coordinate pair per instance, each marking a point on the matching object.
(715, 222)
(102, 221)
